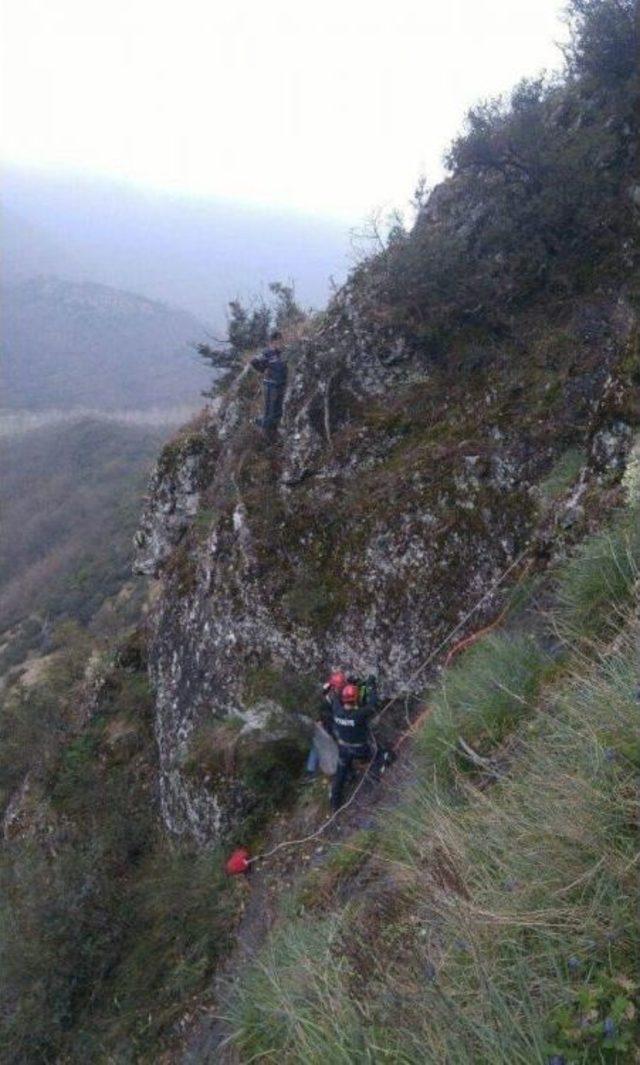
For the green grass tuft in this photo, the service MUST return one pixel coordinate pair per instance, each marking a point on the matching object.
(483, 697)
(596, 587)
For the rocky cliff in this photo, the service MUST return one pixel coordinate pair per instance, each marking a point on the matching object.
(399, 488)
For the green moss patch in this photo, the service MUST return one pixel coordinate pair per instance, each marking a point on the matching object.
(294, 690)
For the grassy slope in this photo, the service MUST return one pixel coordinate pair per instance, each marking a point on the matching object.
(494, 917)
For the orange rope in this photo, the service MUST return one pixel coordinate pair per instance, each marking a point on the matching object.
(475, 636)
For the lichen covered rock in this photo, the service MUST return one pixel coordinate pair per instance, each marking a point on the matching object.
(174, 496)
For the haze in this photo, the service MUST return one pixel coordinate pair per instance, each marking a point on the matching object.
(334, 108)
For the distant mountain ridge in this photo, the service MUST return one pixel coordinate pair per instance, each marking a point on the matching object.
(67, 344)
(192, 252)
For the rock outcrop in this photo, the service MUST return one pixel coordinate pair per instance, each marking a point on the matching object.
(398, 490)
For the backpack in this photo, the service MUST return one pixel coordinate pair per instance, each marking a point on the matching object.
(368, 691)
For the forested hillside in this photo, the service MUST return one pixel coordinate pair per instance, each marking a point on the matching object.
(70, 499)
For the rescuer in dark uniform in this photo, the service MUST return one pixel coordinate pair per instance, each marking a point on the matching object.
(351, 731)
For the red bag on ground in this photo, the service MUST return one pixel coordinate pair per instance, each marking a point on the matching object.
(238, 862)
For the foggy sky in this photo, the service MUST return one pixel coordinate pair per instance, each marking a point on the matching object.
(335, 107)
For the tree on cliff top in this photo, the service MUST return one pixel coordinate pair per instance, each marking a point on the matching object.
(248, 328)
(539, 196)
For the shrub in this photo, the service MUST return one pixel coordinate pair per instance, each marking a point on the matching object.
(296, 691)
(604, 42)
(30, 731)
(538, 202)
(92, 959)
(55, 945)
(248, 328)
(106, 927)
(180, 922)
(269, 769)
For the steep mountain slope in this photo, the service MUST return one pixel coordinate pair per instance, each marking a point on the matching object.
(466, 410)
(66, 345)
(386, 510)
(445, 379)
(489, 912)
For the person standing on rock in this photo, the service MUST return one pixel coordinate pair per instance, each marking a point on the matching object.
(351, 730)
(274, 368)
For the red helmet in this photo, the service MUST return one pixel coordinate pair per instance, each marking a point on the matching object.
(337, 680)
(350, 695)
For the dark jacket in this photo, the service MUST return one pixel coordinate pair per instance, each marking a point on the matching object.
(272, 365)
(351, 725)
